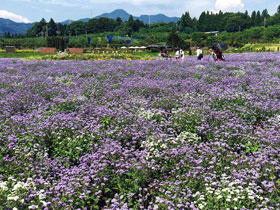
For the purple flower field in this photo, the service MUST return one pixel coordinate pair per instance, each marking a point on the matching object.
(141, 134)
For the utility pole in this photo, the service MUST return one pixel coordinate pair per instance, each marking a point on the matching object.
(264, 22)
(124, 29)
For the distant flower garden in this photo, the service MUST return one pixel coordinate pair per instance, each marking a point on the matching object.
(140, 134)
(92, 57)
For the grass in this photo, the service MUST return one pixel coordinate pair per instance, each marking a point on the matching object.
(20, 55)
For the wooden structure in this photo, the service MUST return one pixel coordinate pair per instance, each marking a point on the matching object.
(10, 49)
(47, 50)
(76, 50)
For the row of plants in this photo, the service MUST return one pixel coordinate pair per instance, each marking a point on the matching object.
(92, 57)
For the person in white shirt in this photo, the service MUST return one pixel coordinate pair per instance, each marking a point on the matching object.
(177, 54)
(199, 53)
(182, 54)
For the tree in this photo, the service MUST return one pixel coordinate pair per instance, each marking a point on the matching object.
(258, 19)
(37, 28)
(202, 22)
(253, 19)
(51, 28)
(186, 22)
(174, 40)
(119, 21)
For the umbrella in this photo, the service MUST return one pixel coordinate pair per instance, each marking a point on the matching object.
(220, 46)
(143, 47)
(123, 47)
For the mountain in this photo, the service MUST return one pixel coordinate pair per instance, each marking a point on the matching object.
(116, 13)
(158, 18)
(66, 22)
(145, 18)
(7, 25)
(124, 16)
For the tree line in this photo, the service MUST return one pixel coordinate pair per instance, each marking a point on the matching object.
(235, 29)
(93, 26)
(207, 21)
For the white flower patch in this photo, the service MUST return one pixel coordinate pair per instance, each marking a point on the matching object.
(41, 194)
(33, 207)
(148, 114)
(276, 119)
(151, 144)
(12, 198)
(29, 184)
(187, 136)
(18, 190)
(228, 192)
(64, 79)
(240, 72)
(3, 186)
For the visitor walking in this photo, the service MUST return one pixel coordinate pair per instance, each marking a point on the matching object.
(199, 53)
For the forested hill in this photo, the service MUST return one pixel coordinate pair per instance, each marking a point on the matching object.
(12, 27)
(124, 16)
(147, 19)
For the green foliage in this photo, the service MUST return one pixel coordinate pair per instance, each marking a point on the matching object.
(37, 29)
(186, 23)
(57, 42)
(174, 40)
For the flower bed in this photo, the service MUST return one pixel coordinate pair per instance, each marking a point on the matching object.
(92, 57)
(141, 134)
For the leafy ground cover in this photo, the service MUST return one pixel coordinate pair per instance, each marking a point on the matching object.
(140, 134)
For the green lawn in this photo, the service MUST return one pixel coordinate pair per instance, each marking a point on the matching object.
(20, 55)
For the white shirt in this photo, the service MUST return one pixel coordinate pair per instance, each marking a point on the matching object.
(198, 52)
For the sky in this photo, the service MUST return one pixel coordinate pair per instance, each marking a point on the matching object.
(34, 10)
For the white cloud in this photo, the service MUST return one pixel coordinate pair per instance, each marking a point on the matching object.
(13, 17)
(229, 5)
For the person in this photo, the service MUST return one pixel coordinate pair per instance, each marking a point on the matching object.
(199, 53)
(190, 51)
(182, 54)
(177, 54)
(218, 55)
(164, 54)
